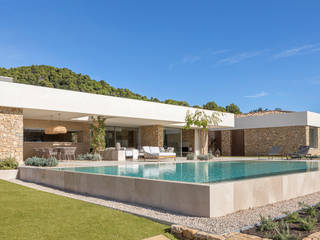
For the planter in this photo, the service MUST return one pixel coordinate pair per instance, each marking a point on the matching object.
(8, 174)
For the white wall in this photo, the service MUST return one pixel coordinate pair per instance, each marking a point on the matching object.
(313, 119)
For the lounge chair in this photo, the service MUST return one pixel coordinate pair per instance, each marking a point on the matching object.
(155, 153)
(303, 151)
(275, 151)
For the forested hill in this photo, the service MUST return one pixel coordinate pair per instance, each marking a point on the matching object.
(64, 78)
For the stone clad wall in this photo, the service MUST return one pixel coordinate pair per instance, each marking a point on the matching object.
(151, 135)
(260, 140)
(11, 133)
(226, 143)
(188, 137)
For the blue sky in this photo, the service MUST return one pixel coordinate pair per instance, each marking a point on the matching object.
(253, 53)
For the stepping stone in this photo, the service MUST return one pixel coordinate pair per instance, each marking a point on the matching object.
(158, 237)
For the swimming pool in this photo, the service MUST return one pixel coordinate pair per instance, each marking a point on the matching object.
(206, 189)
(202, 172)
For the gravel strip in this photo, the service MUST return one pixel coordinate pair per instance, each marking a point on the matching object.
(220, 225)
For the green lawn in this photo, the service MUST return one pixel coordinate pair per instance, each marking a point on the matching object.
(26, 213)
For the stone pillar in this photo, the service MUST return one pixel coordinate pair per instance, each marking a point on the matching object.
(11, 133)
(151, 135)
(188, 138)
(226, 143)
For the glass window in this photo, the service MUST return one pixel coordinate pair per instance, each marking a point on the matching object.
(126, 136)
(172, 137)
(313, 137)
(38, 135)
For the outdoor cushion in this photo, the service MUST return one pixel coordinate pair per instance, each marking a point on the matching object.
(146, 149)
(154, 150)
(167, 154)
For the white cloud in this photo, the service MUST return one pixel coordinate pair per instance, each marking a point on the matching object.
(190, 59)
(298, 50)
(258, 95)
(239, 57)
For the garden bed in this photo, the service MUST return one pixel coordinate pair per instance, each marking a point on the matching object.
(296, 225)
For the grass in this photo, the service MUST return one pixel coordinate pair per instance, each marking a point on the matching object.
(26, 213)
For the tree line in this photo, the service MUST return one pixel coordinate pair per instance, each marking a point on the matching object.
(64, 78)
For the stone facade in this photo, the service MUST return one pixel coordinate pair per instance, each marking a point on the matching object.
(83, 144)
(11, 133)
(226, 143)
(151, 135)
(260, 140)
(188, 138)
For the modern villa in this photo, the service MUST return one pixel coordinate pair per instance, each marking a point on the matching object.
(26, 112)
(30, 114)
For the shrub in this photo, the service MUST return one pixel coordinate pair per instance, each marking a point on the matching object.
(307, 224)
(8, 163)
(309, 210)
(203, 157)
(90, 156)
(283, 232)
(267, 224)
(292, 217)
(190, 156)
(41, 162)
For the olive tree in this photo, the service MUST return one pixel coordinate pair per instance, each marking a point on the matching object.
(98, 142)
(201, 120)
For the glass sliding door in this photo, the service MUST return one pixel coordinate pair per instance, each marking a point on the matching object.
(172, 137)
(110, 137)
(126, 136)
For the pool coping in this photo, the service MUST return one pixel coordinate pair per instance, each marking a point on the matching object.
(188, 161)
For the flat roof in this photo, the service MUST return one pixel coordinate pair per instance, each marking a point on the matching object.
(278, 120)
(57, 104)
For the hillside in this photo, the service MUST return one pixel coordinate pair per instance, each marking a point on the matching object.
(64, 78)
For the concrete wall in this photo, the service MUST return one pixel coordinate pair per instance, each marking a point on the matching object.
(83, 146)
(185, 198)
(11, 133)
(151, 135)
(207, 200)
(238, 195)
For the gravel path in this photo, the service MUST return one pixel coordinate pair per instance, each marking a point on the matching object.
(219, 225)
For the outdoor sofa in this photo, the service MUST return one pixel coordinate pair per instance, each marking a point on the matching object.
(157, 153)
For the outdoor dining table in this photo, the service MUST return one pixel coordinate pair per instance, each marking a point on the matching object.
(60, 152)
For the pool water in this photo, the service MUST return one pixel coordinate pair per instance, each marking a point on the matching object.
(203, 172)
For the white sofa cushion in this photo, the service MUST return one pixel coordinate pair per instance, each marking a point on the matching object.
(154, 150)
(167, 154)
(146, 149)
